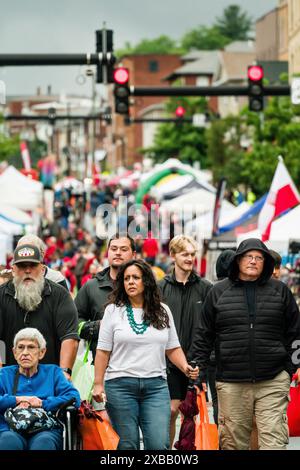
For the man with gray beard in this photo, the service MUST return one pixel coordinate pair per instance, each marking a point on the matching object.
(31, 300)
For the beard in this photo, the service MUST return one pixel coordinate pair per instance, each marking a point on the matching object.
(29, 296)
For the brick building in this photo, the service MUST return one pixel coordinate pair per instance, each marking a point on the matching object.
(123, 142)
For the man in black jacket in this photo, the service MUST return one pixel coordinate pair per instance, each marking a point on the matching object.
(253, 321)
(183, 291)
(92, 297)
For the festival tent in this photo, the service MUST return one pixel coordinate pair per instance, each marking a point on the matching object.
(174, 185)
(14, 215)
(171, 166)
(203, 225)
(199, 200)
(283, 230)
(16, 190)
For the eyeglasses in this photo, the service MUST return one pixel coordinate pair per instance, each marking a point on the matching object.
(257, 259)
(30, 347)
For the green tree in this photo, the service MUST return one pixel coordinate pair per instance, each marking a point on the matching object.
(204, 38)
(234, 24)
(9, 146)
(275, 133)
(181, 140)
(161, 45)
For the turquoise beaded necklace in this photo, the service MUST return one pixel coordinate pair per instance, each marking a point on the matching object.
(137, 328)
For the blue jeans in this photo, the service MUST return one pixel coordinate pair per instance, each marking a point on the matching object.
(134, 403)
(44, 440)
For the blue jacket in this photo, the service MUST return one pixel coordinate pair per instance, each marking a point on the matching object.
(49, 384)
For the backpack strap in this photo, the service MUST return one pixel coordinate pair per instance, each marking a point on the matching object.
(16, 381)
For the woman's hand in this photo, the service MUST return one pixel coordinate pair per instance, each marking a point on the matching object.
(98, 393)
(35, 402)
(25, 402)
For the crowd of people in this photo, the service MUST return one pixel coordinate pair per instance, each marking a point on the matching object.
(147, 315)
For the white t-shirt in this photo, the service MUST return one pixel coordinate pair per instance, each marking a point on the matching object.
(133, 355)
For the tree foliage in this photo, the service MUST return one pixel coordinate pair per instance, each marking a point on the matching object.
(204, 38)
(275, 133)
(9, 146)
(161, 45)
(181, 140)
(234, 24)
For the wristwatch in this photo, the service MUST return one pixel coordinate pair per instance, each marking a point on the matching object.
(67, 370)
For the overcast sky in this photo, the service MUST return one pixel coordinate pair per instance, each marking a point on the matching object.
(62, 26)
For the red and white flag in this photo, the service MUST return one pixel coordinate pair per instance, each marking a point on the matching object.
(25, 156)
(283, 195)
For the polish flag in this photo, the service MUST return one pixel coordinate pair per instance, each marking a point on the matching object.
(25, 156)
(283, 195)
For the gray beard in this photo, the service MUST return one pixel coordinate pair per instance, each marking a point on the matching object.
(29, 296)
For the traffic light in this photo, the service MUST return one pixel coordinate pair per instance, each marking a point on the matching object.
(121, 90)
(180, 112)
(104, 47)
(256, 88)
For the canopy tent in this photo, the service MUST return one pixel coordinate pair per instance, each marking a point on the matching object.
(283, 230)
(14, 215)
(18, 191)
(199, 200)
(171, 166)
(202, 226)
(174, 185)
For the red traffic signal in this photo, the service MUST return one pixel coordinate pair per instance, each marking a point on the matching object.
(121, 75)
(180, 111)
(255, 73)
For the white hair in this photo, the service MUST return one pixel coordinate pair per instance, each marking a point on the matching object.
(33, 240)
(30, 334)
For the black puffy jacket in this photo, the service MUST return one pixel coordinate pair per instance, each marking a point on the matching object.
(252, 324)
(185, 302)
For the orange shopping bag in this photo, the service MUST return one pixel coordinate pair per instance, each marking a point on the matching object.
(206, 433)
(95, 429)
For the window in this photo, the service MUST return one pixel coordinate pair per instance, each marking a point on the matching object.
(153, 66)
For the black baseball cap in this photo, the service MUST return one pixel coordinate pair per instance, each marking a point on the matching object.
(27, 254)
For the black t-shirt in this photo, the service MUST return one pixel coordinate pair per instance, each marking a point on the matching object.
(56, 318)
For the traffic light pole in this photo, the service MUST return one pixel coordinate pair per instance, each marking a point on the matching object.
(269, 90)
(161, 120)
(8, 60)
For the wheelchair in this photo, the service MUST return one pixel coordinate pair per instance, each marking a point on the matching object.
(67, 416)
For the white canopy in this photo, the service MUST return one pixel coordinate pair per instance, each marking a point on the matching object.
(203, 225)
(283, 230)
(14, 215)
(199, 200)
(16, 190)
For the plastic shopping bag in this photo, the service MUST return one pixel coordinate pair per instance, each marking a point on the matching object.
(207, 437)
(293, 411)
(95, 429)
(83, 376)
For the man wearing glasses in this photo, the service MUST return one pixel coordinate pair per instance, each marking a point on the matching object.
(253, 321)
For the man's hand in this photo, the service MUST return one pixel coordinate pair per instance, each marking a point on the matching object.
(192, 372)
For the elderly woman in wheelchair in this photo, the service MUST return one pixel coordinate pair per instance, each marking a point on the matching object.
(31, 395)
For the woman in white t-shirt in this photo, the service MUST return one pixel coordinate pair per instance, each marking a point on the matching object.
(137, 332)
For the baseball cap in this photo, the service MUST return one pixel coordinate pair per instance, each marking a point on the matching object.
(27, 254)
